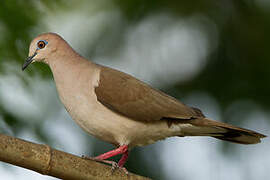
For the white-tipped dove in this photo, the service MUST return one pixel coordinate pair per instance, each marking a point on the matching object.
(120, 109)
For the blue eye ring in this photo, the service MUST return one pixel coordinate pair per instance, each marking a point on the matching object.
(41, 44)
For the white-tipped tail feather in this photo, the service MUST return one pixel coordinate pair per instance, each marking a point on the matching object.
(223, 131)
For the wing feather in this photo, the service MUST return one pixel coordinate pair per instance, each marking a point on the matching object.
(137, 100)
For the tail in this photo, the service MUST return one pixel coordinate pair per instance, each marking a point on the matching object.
(225, 132)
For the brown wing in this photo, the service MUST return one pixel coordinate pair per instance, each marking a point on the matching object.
(137, 100)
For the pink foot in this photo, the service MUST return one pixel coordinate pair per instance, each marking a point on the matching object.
(120, 165)
(123, 159)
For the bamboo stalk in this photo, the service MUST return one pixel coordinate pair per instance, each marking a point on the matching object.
(45, 160)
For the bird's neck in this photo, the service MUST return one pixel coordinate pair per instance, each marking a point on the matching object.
(69, 70)
(74, 77)
(65, 66)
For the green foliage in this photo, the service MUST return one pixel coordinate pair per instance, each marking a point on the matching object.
(239, 68)
(16, 23)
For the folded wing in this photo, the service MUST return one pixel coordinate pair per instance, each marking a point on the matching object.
(137, 100)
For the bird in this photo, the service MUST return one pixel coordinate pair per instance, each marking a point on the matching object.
(120, 109)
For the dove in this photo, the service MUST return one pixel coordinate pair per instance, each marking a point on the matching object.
(118, 108)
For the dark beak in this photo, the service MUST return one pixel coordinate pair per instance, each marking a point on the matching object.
(28, 61)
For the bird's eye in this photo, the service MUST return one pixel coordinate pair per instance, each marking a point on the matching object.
(41, 44)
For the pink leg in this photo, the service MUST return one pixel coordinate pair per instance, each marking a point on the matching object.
(121, 150)
(123, 159)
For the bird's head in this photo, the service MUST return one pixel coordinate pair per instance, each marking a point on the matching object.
(42, 48)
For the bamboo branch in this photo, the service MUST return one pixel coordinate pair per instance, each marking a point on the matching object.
(45, 160)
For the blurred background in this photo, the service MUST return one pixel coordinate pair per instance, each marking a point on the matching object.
(210, 54)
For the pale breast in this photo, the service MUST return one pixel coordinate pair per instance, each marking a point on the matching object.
(77, 93)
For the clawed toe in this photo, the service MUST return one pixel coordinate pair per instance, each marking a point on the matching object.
(124, 170)
(115, 166)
